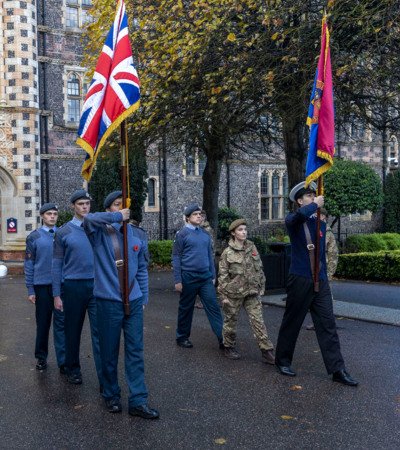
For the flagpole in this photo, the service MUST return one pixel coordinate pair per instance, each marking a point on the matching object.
(318, 238)
(124, 152)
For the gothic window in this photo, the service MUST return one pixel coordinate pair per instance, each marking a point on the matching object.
(195, 162)
(77, 13)
(273, 193)
(76, 91)
(151, 192)
(152, 203)
(394, 153)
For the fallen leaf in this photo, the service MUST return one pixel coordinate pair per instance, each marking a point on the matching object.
(3, 358)
(220, 441)
(295, 387)
(167, 327)
(78, 406)
(287, 417)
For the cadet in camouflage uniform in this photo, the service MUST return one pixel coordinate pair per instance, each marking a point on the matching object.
(241, 281)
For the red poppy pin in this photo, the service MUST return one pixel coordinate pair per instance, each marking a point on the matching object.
(135, 248)
(254, 253)
(321, 234)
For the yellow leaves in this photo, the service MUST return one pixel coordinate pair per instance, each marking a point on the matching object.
(296, 387)
(270, 76)
(275, 36)
(284, 417)
(341, 70)
(216, 90)
(231, 37)
(220, 441)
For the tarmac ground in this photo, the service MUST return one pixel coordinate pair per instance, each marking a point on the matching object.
(205, 400)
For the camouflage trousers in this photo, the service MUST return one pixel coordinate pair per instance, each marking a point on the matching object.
(253, 308)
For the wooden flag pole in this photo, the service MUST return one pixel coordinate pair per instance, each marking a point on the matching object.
(124, 153)
(318, 238)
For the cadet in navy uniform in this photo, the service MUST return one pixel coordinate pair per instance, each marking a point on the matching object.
(73, 282)
(301, 296)
(105, 234)
(194, 274)
(39, 251)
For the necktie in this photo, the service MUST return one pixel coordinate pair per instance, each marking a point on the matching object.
(51, 230)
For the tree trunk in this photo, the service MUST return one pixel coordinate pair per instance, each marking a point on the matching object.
(211, 179)
(295, 148)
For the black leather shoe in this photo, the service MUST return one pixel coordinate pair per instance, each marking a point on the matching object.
(286, 370)
(341, 376)
(74, 378)
(63, 370)
(144, 412)
(114, 405)
(185, 343)
(41, 364)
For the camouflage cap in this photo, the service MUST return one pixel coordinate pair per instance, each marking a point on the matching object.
(236, 223)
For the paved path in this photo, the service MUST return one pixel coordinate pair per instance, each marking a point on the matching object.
(205, 400)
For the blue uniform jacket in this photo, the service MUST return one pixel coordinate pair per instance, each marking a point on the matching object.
(300, 264)
(106, 282)
(38, 255)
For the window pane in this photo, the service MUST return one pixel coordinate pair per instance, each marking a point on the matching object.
(73, 85)
(72, 17)
(202, 165)
(275, 208)
(264, 208)
(275, 184)
(86, 2)
(285, 185)
(264, 183)
(73, 110)
(72, 2)
(190, 166)
(151, 194)
(86, 17)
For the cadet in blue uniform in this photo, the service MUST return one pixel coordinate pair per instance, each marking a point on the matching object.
(39, 251)
(301, 296)
(194, 274)
(105, 234)
(73, 282)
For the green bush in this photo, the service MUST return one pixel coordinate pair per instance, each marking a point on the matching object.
(225, 217)
(391, 216)
(64, 216)
(160, 252)
(358, 243)
(261, 245)
(375, 266)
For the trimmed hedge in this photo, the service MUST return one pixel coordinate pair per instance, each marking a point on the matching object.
(358, 243)
(380, 266)
(160, 252)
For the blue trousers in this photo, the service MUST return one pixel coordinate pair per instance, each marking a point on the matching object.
(198, 284)
(111, 321)
(44, 310)
(77, 297)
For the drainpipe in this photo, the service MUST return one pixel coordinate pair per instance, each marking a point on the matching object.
(164, 192)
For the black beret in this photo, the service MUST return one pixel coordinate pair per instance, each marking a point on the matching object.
(48, 207)
(108, 201)
(190, 209)
(80, 193)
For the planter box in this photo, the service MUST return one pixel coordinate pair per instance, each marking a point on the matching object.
(276, 266)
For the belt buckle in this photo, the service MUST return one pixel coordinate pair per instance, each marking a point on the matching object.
(119, 262)
(310, 247)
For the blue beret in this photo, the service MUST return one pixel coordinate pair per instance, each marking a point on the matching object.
(190, 209)
(80, 193)
(48, 207)
(110, 199)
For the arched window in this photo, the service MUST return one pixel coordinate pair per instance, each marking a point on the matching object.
(394, 153)
(151, 192)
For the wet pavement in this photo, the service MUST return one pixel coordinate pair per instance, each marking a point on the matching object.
(205, 400)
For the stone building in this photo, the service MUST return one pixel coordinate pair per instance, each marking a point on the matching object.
(42, 87)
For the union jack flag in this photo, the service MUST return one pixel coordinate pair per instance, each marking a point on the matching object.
(113, 94)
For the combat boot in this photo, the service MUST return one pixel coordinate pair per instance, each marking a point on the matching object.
(231, 353)
(268, 356)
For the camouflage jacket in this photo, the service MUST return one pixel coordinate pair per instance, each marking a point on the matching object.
(331, 252)
(240, 271)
